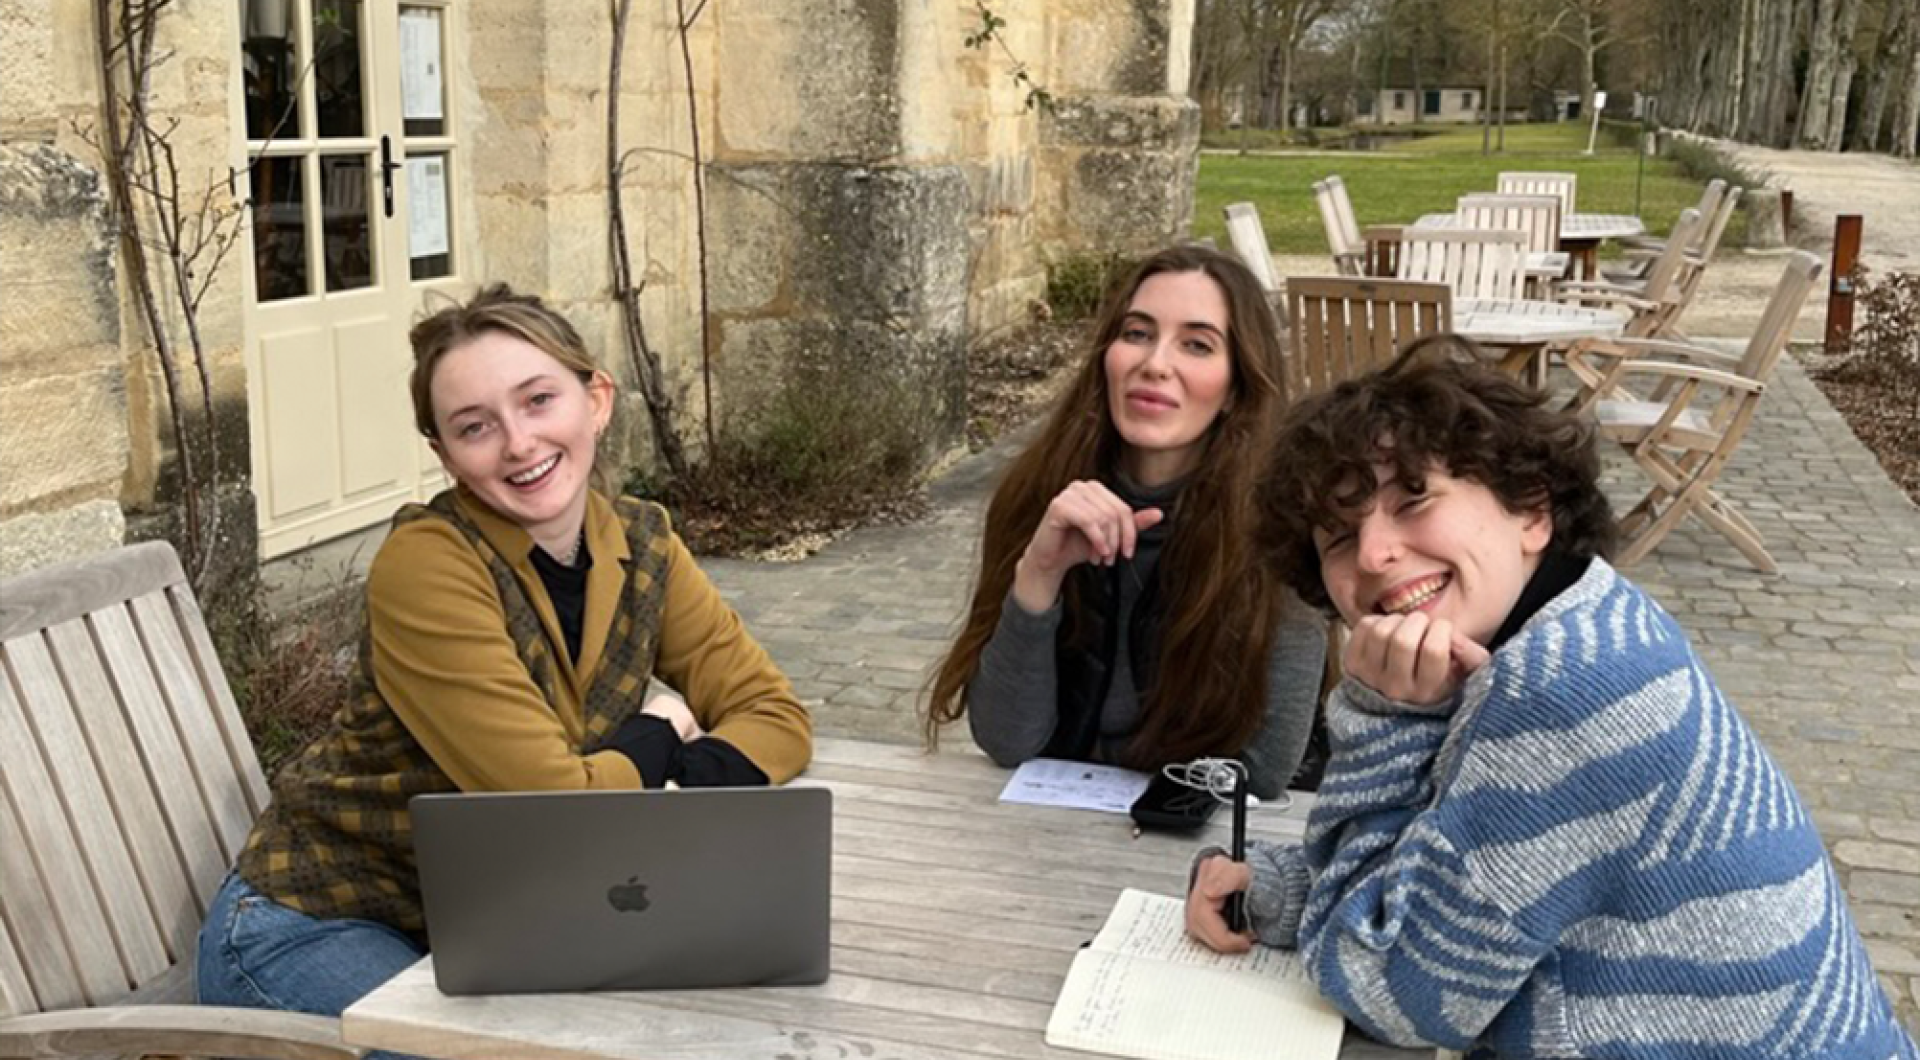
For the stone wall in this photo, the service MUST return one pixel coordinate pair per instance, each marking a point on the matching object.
(879, 196)
(1118, 154)
(63, 437)
(73, 465)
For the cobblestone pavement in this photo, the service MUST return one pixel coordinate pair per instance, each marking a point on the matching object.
(1823, 658)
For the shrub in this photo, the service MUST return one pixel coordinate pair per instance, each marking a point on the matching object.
(824, 456)
(1076, 285)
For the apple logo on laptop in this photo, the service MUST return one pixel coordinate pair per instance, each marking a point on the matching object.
(629, 897)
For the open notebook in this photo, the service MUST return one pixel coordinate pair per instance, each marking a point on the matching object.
(1144, 989)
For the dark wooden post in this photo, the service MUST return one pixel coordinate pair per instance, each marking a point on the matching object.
(1846, 254)
(1786, 213)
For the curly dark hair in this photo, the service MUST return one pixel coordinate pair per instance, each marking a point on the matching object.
(1437, 405)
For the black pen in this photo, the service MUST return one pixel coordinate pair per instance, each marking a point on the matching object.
(1237, 901)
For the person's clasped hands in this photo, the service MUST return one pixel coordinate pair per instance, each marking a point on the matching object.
(1084, 523)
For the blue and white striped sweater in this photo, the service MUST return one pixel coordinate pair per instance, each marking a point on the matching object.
(1591, 855)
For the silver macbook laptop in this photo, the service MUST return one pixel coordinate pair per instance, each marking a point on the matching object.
(625, 890)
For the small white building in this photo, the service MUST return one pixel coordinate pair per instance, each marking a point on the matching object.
(1404, 106)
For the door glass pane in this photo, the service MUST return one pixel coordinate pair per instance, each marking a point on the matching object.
(422, 84)
(279, 228)
(269, 68)
(344, 195)
(339, 97)
(429, 221)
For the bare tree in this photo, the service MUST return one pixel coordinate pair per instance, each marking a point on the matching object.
(647, 370)
(173, 239)
(1584, 25)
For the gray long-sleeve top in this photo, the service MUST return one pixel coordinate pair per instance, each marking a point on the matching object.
(1013, 702)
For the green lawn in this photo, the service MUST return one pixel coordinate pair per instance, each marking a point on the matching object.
(1427, 175)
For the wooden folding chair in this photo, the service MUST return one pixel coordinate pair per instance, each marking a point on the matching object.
(1472, 263)
(1343, 231)
(1694, 416)
(1559, 185)
(1344, 327)
(1249, 242)
(1699, 252)
(127, 786)
(1655, 303)
(1650, 246)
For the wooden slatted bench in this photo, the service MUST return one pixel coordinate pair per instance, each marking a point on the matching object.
(127, 785)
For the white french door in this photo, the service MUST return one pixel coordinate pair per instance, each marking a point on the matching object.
(351, 162)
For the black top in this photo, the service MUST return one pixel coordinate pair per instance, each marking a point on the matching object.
(1556, 574)
(650, 742)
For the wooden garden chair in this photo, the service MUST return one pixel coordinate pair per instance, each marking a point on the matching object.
(1654, 304)
(1343, 231)
(1649, 246)
(1538, 216)
(1561, 186)
(128, 785)
(1699, 254)
(1472, 263)
(1699, 405)
(1249, 241)
(1344, 327)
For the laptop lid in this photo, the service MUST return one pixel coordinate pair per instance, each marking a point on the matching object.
(625, 890)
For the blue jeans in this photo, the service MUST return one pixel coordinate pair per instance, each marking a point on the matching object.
(257, 953)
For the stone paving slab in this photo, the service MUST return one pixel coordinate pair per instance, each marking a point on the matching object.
(1823, 658)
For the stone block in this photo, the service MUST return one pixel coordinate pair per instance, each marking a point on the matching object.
(868, 242)
(27, 94)
(1111, 46)
(513, 241)
(1141, 123)
(509, 42)
(28, 542)
(60, 435)
(577, 245)
(837, 91)
(61, 311)
(1122, 200)
(751, 231)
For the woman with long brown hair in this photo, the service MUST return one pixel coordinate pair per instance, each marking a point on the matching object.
(1121, 613)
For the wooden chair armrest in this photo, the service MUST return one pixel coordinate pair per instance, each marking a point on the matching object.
(1692, 373)
(1597, 287)
(1668, 348)
(187, 1030)
(1604, 298)
(1384, 233)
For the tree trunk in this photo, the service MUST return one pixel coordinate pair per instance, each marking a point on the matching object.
(1837, 109)
(1906, 118)
(1830, 68)
(1883, 76)
(1816, 96)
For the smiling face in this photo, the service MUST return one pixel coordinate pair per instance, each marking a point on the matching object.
(1452, 550)
(1169, 374)
(517, 428)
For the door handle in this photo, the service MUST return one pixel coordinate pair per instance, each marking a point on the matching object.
(387, 166)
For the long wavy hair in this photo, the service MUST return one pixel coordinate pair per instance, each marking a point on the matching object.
(1221, 602)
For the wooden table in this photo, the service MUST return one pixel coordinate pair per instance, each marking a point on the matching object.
(1580, 235)
(1523, 328)
(955, 918)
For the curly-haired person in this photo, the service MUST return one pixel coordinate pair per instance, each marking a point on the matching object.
(1543, 831)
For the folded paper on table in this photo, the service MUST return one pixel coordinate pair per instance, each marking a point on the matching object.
(1074, 785)
(1144, 989)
